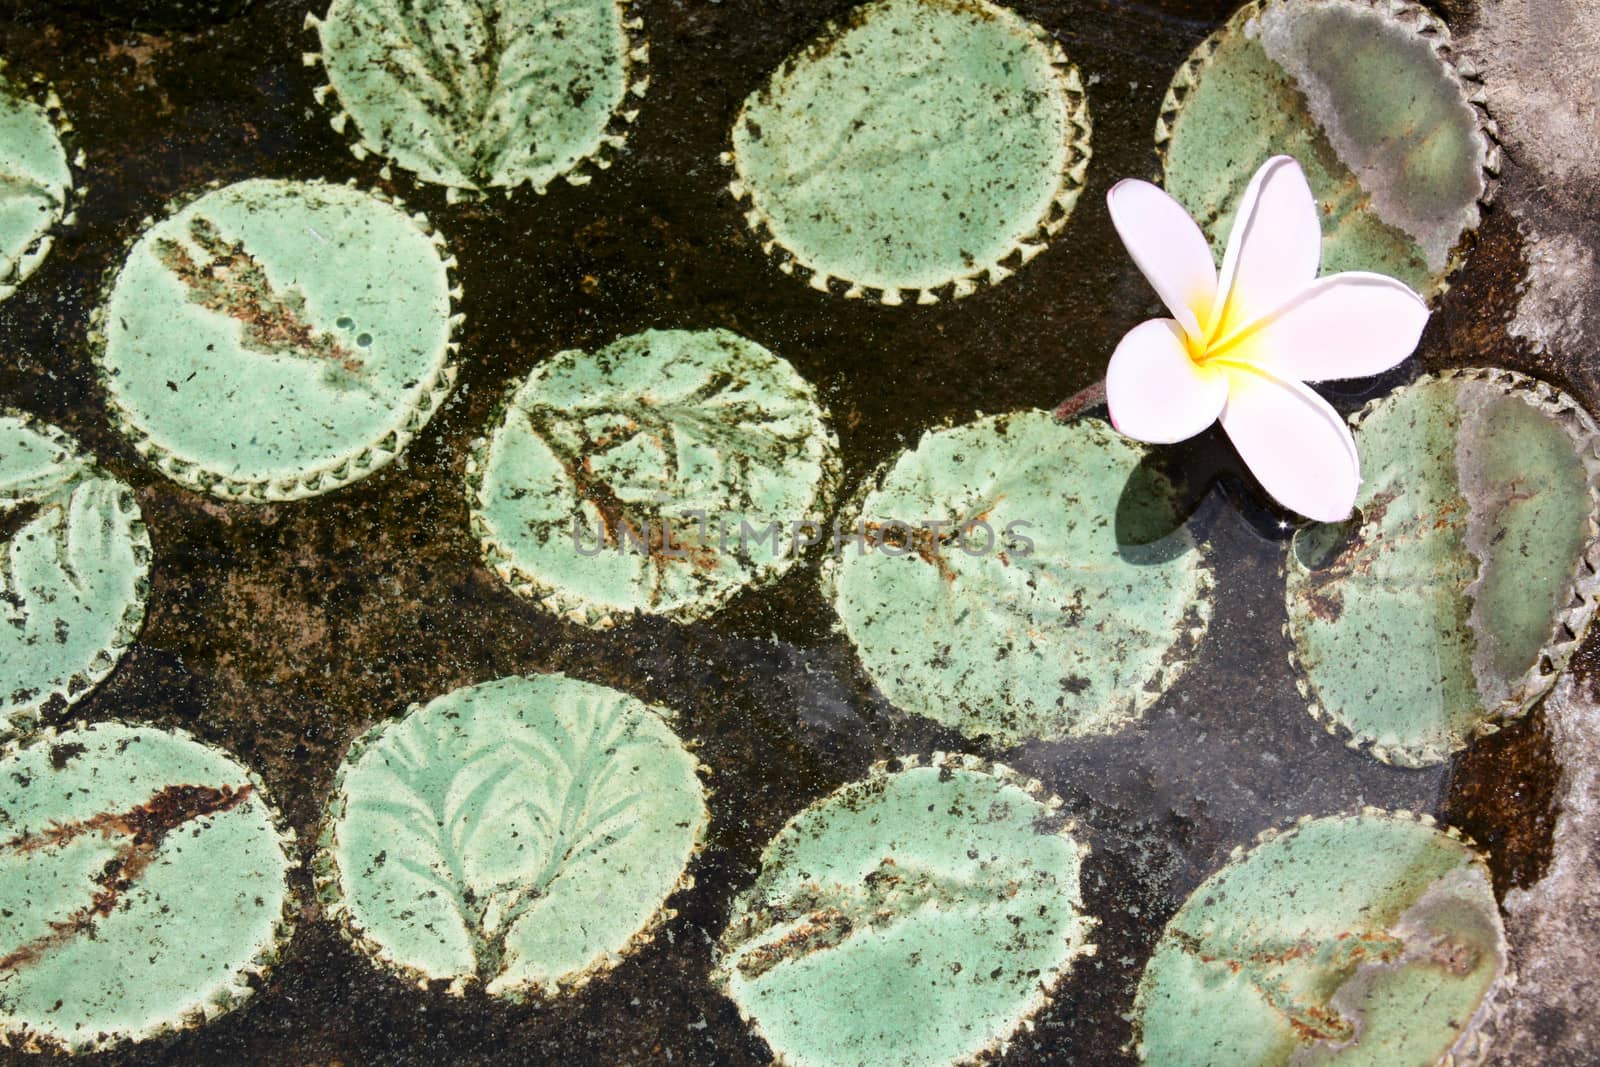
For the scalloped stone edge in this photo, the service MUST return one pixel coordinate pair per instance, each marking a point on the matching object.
(1581, 594)
(563, 603)
(1472, 1046)
(1048, 985)
(329, 893)
(607, 148)
(259, 967)
(83, 682)
(39, 91)
(1080, 129)
(1429, 28)
(314, 481)
(1193, 629)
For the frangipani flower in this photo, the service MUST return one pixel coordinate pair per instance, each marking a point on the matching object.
(1240, 347)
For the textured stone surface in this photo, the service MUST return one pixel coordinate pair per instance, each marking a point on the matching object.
(1021, 578)
(1366, 99)
(273, 340)
(660, 475)
(916, 917)
(913, 145)
(521, 835)
(1371, 939)
(142, 886)
(1465, 582)
(484, 95)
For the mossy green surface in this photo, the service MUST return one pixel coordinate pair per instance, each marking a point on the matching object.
(699, 432)
(1076, 631)
(1369, 940)
(915, 144)
(1368, 102)
(520, 836)
(483, 94)
(272, 340)
(35, 183)
(917, 917)
(142, 886)
(73, 577)
(1462, 589)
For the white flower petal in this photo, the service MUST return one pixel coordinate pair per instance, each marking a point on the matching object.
(1298, 447)
(1274, 249)
(1168, 248)
(1156, 393)
(1346, 325)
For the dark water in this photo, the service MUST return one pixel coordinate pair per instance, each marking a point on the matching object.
(280, 632)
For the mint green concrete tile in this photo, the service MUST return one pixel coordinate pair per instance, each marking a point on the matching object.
(917, 917)
(1369, 940)
(143, 887)
(36, 184)
(700, 432)
(1081, 604)
(272, 340)
(73, 574)
(1368, 97)
(484, 94)
(519, 836)
(915, 144)
(1467, 581)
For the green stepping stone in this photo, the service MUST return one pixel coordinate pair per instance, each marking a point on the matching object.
(272, 340)
(700, 433)
(74, 575)
(1369, 98)
(485, 94)
(1468, 578)
(36, 189)
(914, 145)
(519, 836)
(1076, 598)
(917, 917)
(1370, 939)
(143, 887)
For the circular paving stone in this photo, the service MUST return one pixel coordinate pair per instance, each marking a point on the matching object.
(272, 340)
(913, 145)
(485, 94)
(919, 916)
(702, 433)
(35, 179)
(1370, 939)
(1366, 95)
(73, 578)
(1059, 593)
(142, 887)
(520, 836)
(1468, 578)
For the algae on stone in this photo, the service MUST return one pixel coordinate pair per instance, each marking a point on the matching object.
(640, 478)
(917, 917)
(519, 836)
(485, 94)
(1366, 96)
(1466, 581)
(914, 145)
(272, 340)
(73, 574)
(1071, 602)
(35, 180)
(1370, 939)
(143, 887)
